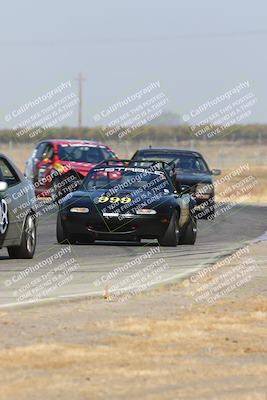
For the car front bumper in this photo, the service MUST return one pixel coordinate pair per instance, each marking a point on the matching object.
(116, 227)
(204, 206)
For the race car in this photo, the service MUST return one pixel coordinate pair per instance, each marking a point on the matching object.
(192, 175)
(57, 167)
(17, 211)
(119, 200)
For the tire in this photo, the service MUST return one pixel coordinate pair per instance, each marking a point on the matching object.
(27, 246)
(57, 193)
(54, 192)
(210, 211)
(171, 236)
(85, 239)
(189, 235)
(211, 214)
(62, 235)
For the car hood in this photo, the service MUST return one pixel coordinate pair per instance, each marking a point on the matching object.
(85, 199)
(81, 167)
(192, 179)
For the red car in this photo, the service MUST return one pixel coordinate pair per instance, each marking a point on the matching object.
(56, 167)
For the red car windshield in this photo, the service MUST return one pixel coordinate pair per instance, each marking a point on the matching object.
(84, 154)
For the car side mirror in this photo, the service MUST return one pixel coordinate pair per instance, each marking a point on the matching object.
(216, 172)
(3, 186)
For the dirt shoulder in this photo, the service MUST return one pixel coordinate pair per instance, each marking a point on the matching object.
(204, 338)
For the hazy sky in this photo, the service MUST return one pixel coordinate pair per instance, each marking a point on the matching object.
(196, 49)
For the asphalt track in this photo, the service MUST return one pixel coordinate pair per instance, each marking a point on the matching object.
(83, 269)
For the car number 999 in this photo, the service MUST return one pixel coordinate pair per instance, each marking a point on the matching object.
(114, 199)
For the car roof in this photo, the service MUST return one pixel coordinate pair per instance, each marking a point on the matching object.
(75, 141)
(169, 150)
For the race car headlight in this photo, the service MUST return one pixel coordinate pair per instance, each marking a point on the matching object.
(146, 211)
(82, 210)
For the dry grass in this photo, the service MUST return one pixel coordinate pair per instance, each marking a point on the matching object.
(18, 153)
(254, 191)
(211, 351)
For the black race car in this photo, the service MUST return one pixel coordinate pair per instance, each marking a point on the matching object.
(192, 175)
(121, 200)
(17, 211)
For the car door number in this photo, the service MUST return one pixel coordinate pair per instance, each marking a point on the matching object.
(3, 216)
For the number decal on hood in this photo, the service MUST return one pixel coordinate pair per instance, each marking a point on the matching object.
(114, 199)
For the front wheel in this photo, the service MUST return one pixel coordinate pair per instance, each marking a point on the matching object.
(54, 191)
(211, 214)
(27, 246)
(189, 235)
(62, 235)
(171, 236)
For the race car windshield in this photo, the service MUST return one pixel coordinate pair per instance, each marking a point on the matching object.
(85, 154)
(183, 162)
(191, 164)
(125, 179)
